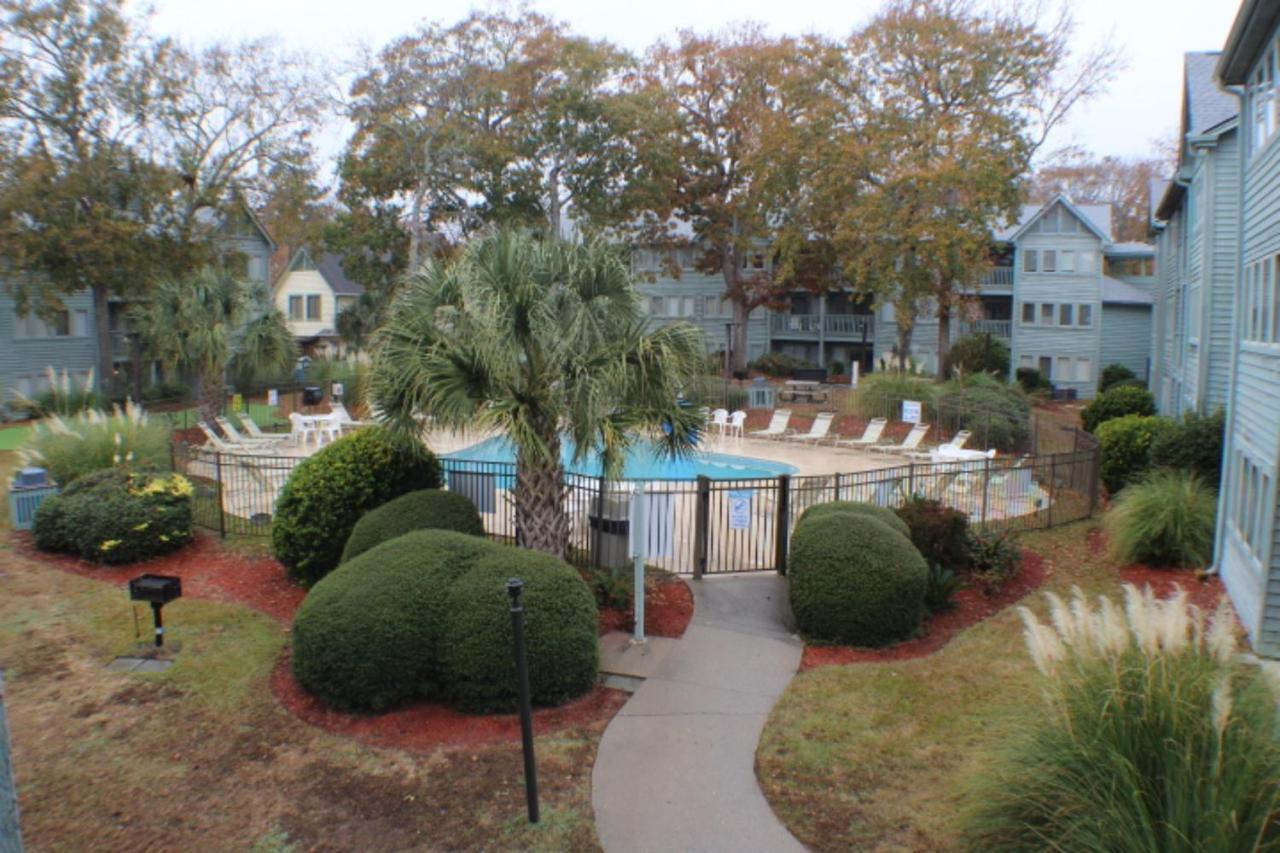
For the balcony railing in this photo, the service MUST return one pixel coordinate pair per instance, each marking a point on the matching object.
(995, 328)
(997, 277)
(849, 326)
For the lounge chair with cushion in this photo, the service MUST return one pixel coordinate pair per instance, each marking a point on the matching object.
(910, 443)
(817, 432)
(869, 436)
(777, 425)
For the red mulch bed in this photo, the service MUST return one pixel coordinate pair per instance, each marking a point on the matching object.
(209, 571)
(427, 726)
(668, 609)
(971, 607)
(1203, 590)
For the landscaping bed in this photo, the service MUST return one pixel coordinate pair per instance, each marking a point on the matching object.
(668, 609)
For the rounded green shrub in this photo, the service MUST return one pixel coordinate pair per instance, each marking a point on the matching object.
(1113, 375)
(1116, 403)
(998, 414)
(855, 580)
(369, 634)
(328, 492)
(1125, 448)
(1193, 444)
(880, 513)
(428, 509)
(117, 516)
(980, 353)
(560, 632)
(939, 532)
(1166, 519)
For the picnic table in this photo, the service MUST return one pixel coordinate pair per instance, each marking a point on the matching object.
(803, 391)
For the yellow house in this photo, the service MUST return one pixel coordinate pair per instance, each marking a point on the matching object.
(311, 294)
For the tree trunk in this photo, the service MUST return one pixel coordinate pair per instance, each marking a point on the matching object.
(135, 365)
(554, 214)
(944, 342)
(212, 391)
(905, 329)
(541, 523)
(102, 332)
(738, 338)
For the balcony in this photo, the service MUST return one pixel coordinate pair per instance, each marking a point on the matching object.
(832, 327)
(997, 277)
(995, 328)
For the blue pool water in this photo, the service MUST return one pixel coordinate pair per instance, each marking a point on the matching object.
(643, 462)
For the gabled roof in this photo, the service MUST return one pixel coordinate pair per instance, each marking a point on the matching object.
(1156, 190)
(1096, 217)
(1206, 106)
(1116, 291)
(330, 269)
(1254, 24)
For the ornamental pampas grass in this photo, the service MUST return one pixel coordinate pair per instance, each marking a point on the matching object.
(1152, 735)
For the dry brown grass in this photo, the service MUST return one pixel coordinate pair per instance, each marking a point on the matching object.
(203, 757)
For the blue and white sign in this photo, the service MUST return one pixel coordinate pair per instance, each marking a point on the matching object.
(911, 411)
(739, 509)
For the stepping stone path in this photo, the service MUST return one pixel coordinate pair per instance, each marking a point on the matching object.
(676, 766)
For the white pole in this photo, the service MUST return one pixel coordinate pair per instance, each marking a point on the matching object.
(853, 373)
(640, 545)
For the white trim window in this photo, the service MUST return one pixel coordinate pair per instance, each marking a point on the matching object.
(1029, 257)
(1048, 260)
(1084, 316)
(1262, 101)
(1251, 511)
(1260, 300)
(1084, 369)
(58, 325)
(657, 306)
(295, 307)
(1066, 260)
(313, 306)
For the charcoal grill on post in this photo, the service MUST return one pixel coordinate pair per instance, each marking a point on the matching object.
(158, 590)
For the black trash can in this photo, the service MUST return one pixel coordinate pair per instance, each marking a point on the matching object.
(611, 529)
(312, 395)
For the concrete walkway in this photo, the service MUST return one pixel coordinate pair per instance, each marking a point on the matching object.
(676, 766)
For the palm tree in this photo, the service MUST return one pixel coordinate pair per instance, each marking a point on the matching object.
(357, 322)
(542, 340)
(212, 322)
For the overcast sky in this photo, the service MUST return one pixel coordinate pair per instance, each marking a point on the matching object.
(1142, 104)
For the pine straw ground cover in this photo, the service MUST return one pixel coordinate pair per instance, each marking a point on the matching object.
(203, 756)
(880, 755)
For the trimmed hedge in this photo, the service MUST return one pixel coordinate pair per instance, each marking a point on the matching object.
(855, 580)
(1113, 375)
(939, 532)
(560, 633)
(116, 516)
(880, 513)
(998, 414)
(369, 634)
(980, 353)
(327, 494)
(1193, 444)
(1116, 403)
(1125, 448)
(428, 509)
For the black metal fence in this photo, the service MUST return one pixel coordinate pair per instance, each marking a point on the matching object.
(703, 525)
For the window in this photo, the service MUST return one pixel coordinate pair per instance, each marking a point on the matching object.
(344, 302)
(1046, 366)
(313, 307)
(656, 304)
(1046, 314)
(1048, 260)
(1262, 101)
(686, 306)
(644, 260)
(1067, 261)
(1193, 309)
(1084, 318)
(1084, 369)
(295, 307)
(1066, 315)
(753, 261)
(1261, 300)
(80, 324)
(1029, 260)
(1063, 371)
(1086, 261)
(1026, 361)
(32, 326)
(685, 257)
(1028, 313)
(1252, 505)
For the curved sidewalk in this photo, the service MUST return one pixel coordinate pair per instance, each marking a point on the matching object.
(676, 766)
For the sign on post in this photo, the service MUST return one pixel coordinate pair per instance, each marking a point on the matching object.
(273, 397)
(739, 509)
(911, 411)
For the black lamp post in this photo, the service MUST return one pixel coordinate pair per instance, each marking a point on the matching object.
(515, 587)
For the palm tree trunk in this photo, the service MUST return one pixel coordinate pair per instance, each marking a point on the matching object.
(212, 391)
(541, 523)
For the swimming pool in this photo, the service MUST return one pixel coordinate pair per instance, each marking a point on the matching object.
(643, 462)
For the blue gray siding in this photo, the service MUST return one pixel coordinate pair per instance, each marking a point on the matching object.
(27, 359)
(1126, 336)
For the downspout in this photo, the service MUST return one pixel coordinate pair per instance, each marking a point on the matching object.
(1228, 447)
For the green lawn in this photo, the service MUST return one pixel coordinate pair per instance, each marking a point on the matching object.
(11, 437)
(880, 756)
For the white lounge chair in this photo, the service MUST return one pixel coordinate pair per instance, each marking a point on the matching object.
(344, 419)
(255, 431)
(869, 436)
(910, 443)
(221, 445)
(960, 438)
(233, 435)
(817, 432)
(736, 422)
(957, 441)
(777, 425)
(720, 420)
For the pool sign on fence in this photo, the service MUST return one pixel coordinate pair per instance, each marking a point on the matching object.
(739, 509)
(911, 411)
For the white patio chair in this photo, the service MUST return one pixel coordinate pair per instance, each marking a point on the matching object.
(910, 443)
(720, 420)
(233, 435)
(736, 422)
(817, 432)
(302, 431)
(869, 436)
(777, 425)
(344, 419)
(222, 446)
(957, 441)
